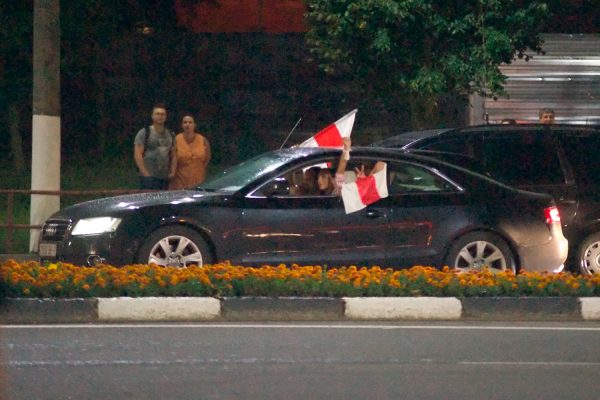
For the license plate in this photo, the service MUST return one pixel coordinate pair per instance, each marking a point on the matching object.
(47, 250)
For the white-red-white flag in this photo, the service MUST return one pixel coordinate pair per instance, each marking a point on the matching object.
(333, 134)
(364, 191)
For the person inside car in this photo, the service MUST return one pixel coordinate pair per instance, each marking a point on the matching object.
(308, 184)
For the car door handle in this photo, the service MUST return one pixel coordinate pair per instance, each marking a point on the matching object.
(374, 214)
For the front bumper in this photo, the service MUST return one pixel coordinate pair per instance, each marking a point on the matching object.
(85, 250)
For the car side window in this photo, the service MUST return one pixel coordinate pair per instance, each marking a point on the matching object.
(456, 144)
(522, 159)
(582, 153)
(299, 182)
(411, 178)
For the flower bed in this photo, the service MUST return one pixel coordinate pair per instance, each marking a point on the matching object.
(66, 280)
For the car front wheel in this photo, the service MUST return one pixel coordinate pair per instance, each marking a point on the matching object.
(588, 255)
(175, 246)
(477, 250)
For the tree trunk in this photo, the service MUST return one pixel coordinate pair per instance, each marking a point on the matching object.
(45, 138)
(16, 140)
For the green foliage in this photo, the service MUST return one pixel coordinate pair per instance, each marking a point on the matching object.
(419, 49)
(16, 34)
(224, 280)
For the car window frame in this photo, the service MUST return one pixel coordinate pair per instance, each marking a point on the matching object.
(322, 159)
(563, 137)
(372, 158)
(566, 173)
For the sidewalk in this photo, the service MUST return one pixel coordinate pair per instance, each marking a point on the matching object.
(122, 309)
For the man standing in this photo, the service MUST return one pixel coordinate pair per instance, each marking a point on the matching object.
(547, 116)
(154, 152)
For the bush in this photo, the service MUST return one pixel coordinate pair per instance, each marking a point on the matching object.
(32, 279)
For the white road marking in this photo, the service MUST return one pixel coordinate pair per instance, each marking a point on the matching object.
(330, 360)
(299, 326)
(534, 363)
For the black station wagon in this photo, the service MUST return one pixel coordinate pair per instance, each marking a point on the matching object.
(562, 160)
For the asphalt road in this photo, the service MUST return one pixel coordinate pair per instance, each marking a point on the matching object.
(340, 360)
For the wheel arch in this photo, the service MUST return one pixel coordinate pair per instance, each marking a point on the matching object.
(584, 232)
(180, 222)
(577, 245)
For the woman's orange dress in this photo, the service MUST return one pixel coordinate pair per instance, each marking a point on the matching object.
(192, 159)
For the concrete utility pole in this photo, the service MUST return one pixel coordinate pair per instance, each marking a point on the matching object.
(45, 154)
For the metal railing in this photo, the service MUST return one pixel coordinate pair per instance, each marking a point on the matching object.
(11, 226)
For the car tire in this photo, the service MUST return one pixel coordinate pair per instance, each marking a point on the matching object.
(476, 250)
(588, 255)
(176, 246)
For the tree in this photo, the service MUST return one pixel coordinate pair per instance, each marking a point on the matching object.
(16, 35)
(95, 35)
(410, 52)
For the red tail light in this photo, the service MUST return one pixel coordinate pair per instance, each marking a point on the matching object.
(552, 215)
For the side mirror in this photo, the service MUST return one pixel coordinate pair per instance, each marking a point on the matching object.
(277, 187)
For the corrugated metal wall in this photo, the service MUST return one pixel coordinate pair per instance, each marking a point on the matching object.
(566, 79)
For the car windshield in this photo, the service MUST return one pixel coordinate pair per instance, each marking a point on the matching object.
(234, 178)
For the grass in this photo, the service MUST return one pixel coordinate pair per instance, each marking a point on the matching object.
(77, 174)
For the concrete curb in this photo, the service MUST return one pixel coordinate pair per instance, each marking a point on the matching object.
(522, 308)
(282, 309)
(22, 311)
(158, 308)
(48, 310)
(590, 307)
(402, 308)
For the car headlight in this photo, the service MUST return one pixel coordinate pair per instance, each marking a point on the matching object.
(94, 226)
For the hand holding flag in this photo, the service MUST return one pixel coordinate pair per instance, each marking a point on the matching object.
(365, 190)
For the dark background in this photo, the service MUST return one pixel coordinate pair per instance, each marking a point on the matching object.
(247, 89)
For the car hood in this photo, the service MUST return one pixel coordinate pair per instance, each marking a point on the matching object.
(122, 204)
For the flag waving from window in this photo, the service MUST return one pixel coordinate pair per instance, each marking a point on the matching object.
(332, 135)
(364, 191)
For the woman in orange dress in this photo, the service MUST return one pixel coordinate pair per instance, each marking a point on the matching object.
(192, 154)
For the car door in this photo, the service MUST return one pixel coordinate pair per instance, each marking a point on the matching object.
(278, 225)
(581, 151)
(422, 209)
(532, 160)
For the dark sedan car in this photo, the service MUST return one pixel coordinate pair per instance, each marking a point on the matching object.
(561, 160)
(251, 214)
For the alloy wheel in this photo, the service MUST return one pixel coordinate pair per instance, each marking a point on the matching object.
(175, 251)
(479, 254)
(590, 261)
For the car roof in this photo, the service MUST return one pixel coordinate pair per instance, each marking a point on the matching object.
(404, 139)
(409, 137)
(529, 127)
(367, 151)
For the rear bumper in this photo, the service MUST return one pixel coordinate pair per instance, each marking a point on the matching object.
(549, 257)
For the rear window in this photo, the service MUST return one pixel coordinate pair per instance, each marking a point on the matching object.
(583, 155)
(523, 159)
